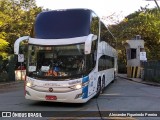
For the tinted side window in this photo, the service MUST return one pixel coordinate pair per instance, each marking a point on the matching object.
(106, 35)
(105, 62)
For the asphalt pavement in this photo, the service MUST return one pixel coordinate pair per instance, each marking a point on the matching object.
(139, 80)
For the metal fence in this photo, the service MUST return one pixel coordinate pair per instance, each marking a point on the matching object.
(151, 71)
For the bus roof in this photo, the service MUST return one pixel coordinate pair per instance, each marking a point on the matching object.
(58, 24)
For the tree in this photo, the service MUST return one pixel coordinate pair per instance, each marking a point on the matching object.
(17, 18)
(3, 48)
(144, 22)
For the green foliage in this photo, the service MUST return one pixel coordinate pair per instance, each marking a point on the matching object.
(3, 48)
(146, 23)
(17, 17)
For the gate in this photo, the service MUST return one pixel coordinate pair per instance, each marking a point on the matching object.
(152, 71)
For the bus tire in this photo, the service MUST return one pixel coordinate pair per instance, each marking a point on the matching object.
(114, 78)
(103, 84)
(98, 88)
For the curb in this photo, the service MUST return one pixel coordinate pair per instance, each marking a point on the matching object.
(143, 82)
(3, 84)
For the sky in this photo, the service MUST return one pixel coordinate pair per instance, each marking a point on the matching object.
(103, 8)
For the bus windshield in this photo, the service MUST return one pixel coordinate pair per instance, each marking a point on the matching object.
(50, 62)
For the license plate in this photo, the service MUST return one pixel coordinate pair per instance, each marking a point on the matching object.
(51, 97)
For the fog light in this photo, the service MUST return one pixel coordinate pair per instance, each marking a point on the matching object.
(78, 96)
(28, 93)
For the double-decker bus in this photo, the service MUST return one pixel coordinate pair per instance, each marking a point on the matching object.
(69, 59)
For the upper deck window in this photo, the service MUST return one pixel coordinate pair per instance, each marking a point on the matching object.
(62, 24)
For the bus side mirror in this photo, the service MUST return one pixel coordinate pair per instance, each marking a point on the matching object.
(88, 43)
(17, 42)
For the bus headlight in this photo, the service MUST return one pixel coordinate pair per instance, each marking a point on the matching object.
(29, 84)
(78, 86)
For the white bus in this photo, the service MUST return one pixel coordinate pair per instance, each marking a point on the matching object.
(69, 59)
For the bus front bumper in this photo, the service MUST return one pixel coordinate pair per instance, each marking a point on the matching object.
(67, 97)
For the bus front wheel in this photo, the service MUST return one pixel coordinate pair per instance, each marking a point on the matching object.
(114, 78)
(98, 88)
(103, 84)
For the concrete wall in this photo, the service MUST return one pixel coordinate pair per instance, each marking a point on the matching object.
(135, 44)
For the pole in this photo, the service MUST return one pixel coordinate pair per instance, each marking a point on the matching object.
(157, 4)
(21, 70)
